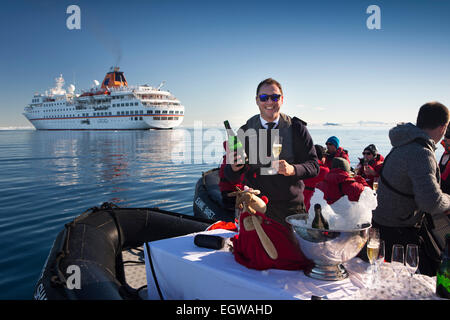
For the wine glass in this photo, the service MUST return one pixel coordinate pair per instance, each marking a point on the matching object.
(373, 246)
(380, 259)
(375, 185)
(412, 260)
(276, 151)
(397, 259)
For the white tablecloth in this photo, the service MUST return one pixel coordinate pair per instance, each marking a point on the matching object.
(187, 272)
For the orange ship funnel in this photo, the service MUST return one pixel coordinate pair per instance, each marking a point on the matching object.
(114, 79)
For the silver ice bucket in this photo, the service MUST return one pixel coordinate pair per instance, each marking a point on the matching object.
(328, 249)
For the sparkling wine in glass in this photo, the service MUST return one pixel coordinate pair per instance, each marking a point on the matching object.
(373, 246)
(276, 150)
(380, 259)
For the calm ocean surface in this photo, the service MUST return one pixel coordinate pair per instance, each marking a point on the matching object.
(47, 178)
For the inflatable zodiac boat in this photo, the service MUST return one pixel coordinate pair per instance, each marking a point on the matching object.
(94, 244)
(208, 198)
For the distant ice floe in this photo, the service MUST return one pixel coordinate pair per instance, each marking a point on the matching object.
(345, 214)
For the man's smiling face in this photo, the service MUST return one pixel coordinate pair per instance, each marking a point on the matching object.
(270, 110)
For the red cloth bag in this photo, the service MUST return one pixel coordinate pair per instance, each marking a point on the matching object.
(249, 251)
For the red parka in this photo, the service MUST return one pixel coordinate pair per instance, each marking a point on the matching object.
(310, 184)
(340, 152)
(375, 164)
(338, 183)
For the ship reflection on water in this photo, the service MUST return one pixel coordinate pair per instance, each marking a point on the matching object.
(129, 168)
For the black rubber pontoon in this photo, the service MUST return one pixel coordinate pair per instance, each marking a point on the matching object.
(208, 198)
(94, 241)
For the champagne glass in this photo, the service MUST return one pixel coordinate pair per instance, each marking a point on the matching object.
(375, 185)
(380, 259)
(373, 246)
(397, 259)
(412, 260)
(276, 151)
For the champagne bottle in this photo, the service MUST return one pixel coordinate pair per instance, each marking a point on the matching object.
(443, 273)
(319, 221)
(234, 144)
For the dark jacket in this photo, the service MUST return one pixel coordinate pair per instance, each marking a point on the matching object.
(298, 150)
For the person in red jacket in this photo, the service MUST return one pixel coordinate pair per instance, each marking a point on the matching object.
(334, 150)
(338, 183)
(370, 165)
(226, 186)
(444, 163)
(310, 184)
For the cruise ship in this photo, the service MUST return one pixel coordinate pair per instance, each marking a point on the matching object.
(113, 105)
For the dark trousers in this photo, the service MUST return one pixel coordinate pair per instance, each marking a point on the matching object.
(404, 236)
(278, 211)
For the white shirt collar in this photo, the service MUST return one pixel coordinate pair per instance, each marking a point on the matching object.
(264, 122)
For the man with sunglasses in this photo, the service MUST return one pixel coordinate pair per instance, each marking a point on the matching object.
(297, 160)
(370, 164)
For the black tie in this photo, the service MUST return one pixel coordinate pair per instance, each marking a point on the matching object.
(270, 126)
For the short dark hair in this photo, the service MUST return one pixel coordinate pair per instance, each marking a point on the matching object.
(269, 81)
(319, 151)
(432, 115)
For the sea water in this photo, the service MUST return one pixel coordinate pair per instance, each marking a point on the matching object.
(47, 178)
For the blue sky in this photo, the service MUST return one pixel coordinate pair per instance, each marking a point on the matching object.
(212, 54)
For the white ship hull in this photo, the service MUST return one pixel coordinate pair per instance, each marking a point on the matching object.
(115, 107)
(144, 122)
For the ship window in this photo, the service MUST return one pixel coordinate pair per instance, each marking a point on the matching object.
(165, 111)
(181, 112)
(163, 118)
(118, 112)
(127, 113)
(127, 104)
(149, 111)
(170, 118)
(176, 112)
(157, 111)
(171, 111)
(140, 118)
(156, 118)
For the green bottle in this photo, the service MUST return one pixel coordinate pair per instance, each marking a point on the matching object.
(319, 221)
(443, 273)
(234, 144)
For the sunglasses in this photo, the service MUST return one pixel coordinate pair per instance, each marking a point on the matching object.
(366, 153)
(265, 97)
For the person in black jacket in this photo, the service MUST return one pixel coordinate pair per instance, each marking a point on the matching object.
(297, 161)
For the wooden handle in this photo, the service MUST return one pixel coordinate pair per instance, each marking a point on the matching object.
(265, 241)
